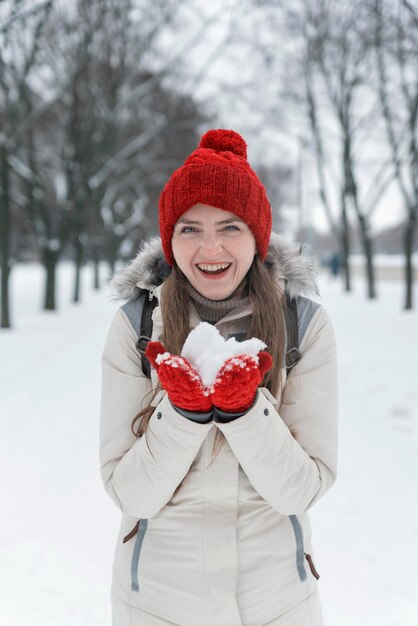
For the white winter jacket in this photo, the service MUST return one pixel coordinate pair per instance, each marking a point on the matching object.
(230, 548)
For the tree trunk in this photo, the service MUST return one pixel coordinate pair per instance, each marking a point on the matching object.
(345, 244)
(346, 263)
(113, 246)
(78, 263)
(5, 306)
(112, 263)
(351, 192)
(409, 240)
(368, 253)
(49, 260)
(96, 274)
(4, 239)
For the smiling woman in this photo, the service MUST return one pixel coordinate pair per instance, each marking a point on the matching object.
(215, 479)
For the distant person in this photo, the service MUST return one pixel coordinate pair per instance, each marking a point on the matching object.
(215, 483)
(334, 264)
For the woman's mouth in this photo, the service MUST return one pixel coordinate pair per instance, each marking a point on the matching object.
(212, 270)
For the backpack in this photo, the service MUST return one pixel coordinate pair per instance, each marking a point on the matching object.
(148, 302)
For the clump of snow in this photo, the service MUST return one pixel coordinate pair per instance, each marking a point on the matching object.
(207, 350)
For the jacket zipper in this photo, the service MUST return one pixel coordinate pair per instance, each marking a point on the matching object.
(311, 565)
(132, 533)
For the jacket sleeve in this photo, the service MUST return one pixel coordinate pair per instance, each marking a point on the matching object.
(141, 474)
(292, 473)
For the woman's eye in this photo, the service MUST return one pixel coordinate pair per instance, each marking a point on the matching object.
(231, 227)
(188, 229)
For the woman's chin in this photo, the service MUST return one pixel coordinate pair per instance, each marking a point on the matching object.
(214, 292)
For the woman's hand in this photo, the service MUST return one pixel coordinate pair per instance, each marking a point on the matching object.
(234, 388)
(236, 383)
(180, 380)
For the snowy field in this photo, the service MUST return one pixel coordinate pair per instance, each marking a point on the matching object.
(58, 527)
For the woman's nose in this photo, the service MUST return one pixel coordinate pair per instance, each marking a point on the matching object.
(211, 245)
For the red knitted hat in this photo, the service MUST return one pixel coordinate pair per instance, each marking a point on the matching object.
(218, 174)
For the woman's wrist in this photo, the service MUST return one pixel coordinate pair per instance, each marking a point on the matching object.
(201, 417)
(216, 414)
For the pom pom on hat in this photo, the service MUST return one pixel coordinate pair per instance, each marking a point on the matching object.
(224, 140)
(217, 173)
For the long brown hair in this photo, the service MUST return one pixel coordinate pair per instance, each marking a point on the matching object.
(267, 323)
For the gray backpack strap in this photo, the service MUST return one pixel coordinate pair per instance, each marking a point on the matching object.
(306, 309)
(299, 313)
(293, 355)
(139, 312)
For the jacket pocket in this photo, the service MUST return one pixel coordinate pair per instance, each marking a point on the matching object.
(301, 555)
(139, 530)
(300, 552)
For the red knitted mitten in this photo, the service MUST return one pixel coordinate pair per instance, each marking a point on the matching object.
(180, 380)
(237, 381)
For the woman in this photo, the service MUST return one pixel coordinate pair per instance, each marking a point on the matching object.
(215, 487)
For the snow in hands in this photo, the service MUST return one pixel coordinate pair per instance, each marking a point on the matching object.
(206, 350)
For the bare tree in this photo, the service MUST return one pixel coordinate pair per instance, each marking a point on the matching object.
(341, 50)
(396, 36)
(21, 28)
(339, 228)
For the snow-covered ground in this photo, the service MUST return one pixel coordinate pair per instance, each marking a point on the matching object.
(58, 527)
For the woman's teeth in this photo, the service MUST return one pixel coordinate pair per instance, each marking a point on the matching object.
(219, 267)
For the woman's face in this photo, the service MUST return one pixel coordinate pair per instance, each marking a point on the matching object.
(214, 249)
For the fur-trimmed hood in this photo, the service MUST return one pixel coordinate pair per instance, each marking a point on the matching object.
(149, 269)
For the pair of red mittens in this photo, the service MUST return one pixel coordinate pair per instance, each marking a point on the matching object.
(234, 388)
